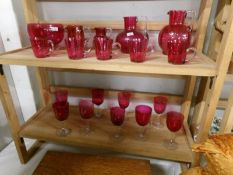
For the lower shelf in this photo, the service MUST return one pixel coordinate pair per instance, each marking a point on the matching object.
(43, 125)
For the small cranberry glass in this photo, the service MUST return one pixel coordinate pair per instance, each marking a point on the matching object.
(117, 118)
(139, 49)
(143, 115)
(97, 99)
(61, 111)
(86, 111)
(160, 103)
(177, 52)
(174, 123)
(42, 47)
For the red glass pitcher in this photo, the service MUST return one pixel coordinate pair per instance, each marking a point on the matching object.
(176, 30)
(130, 32)
(76, 42)
(104, 44)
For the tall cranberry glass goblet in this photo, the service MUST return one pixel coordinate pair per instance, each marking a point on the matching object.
(97, 99)
(86, 111)
(143, 115)
(61, 111)
(160, 103)
(117, 118)
(174, 123)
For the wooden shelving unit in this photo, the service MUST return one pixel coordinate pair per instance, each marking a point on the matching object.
(42, 125)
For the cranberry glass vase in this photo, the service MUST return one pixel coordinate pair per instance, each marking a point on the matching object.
(176, 30)
(130, 32)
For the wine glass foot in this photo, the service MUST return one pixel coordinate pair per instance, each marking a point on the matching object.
(62, 132)
(86, 130)
(141, 137)
(171, 145)
(117, 137)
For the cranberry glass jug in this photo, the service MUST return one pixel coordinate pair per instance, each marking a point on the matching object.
(176, 30)
(130, 32)
(103, 44)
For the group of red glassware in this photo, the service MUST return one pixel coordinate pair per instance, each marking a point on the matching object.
(174, 120)
(174, 40)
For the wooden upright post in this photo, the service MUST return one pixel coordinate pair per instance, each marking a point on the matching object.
(12, 118)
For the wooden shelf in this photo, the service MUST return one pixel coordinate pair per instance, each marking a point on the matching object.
(156, 63)
(43, 125)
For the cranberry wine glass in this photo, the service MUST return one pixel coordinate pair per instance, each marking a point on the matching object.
(124, 99)
(143, 115)
(86, 111)
(61, 96)
(174, 123)
(97, 99)
(160, 103)
(61, 111)
(117, 118)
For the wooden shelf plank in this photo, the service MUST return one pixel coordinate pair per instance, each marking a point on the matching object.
(43, 126)
(156, 63)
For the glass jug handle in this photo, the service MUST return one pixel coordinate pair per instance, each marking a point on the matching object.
(109, 32)
(118, 51)
(145, 21)
(87, 34)
(52, 47)
(191, 15)
(194, 53)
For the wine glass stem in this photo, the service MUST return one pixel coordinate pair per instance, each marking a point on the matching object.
(88, 127)
(97, 112)
(143, 130)
(172, 139)
(118, 132)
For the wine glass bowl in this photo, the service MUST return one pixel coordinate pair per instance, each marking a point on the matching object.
(160, 103)
(61, 111)
(86, 111)
(124, 99)
(143, 115)
(174, 123)
(117, 117)
(61, 96)
(97, 99)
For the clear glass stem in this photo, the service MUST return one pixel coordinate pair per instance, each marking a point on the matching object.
(142, 132)
(63, 131)
(172, 138)
(171, 143)
(118, 132)
(87, 128)
(158, 121)
(98, 113)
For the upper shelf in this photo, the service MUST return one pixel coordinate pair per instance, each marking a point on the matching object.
(156, 63)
